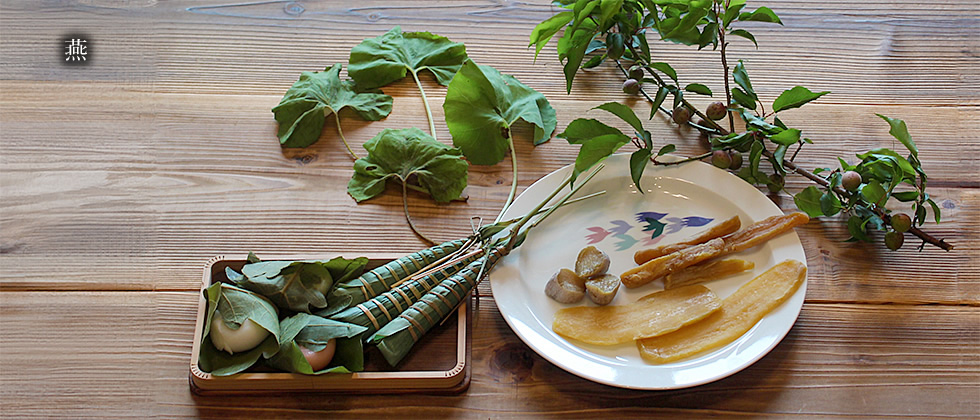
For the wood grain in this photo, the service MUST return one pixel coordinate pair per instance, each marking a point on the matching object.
(120, 179)
(126, 354)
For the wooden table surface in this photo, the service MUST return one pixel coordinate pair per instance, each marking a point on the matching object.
(120, 179)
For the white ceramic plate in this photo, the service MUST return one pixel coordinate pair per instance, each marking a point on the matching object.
(680, 200)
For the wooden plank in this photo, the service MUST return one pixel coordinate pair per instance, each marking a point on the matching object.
(875, 52)
(121, 354)
(125, 211)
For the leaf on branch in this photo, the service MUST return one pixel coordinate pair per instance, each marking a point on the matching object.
(901, 132)
(302, 111)
(376, 62)
(808, 201)
(762, 14)
(658, 100)
(572, 46)
(638, 162)
(829, 203)
(598, 141)
(743, 98)
(787, 137)
(665, 69)
(874, 193)
(624, 112)
(544, 31)
(407, 154)
(744, 34)
(481, 106)
(698, 88)
(742, 79)
(795, 98)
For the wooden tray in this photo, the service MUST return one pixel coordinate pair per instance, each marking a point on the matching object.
(438, 364)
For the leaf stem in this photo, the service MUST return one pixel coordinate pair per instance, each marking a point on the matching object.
(513, 182)
(408, 217)
(941, 243)
(342, 138)
(425, 103)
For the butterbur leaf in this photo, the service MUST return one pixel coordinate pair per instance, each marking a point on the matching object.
(624, 112)
(313, 333)
(438, 169)
(235, 306)
(598, 141)
(762, 14)
(698, 88)
(744, 34)
(388, 58)
(808, 201)
(302, 111)
(901, 132)
(795, 98)
(544, 31)
(299, 285)
(481, 106)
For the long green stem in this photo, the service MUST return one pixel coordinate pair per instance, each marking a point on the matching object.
(520, 223)
(565, 199)
(342, 138)
(425, 103)
(513, 181)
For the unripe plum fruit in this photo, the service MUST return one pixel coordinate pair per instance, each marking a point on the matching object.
(631, 86)
(721, 159)
(850, 180)
(716, 111)
(901, 222)
(894, 240)
(681, 115)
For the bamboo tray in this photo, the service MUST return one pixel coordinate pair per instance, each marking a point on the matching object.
(438, 364)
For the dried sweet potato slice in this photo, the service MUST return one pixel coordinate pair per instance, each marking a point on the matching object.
(706, 271)
(657, 313)
(738, 313)
(721, 229)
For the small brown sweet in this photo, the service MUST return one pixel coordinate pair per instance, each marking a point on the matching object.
(565, 287)
(591, 262)
(602, 289)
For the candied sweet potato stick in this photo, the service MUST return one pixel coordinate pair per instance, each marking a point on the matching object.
(659, 267)
(706, 271)
(753, 235)
(762, 231)
(738, 313)
(721, 229)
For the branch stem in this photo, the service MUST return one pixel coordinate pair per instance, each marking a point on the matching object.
(941, 243)
(724, 65)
